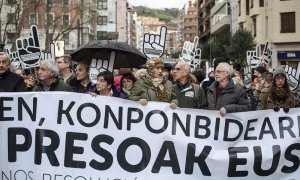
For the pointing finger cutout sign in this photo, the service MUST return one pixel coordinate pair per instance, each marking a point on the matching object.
(154, 44)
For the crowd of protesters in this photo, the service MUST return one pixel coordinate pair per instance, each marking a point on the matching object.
(223, 89)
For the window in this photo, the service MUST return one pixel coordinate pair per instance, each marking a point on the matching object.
(11, 18)
(66, 38)
(261, 3)
(32, 19)
(11, 37)
(102, 4)
(65, 3)
(239, 8)
(247, 7)
(101, 35)
(102, 20)
(66, 21)
(50, 19)
(254, 26)
(288, 24)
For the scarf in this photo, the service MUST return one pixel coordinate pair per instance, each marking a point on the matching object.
(280, 94)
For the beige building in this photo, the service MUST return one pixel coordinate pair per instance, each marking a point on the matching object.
(276, 22)
(190, 21)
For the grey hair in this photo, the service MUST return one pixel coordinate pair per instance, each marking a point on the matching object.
(7, 57)
(52, 66)
(227, 68)
(186, 66)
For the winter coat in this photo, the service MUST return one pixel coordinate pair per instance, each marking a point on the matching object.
(144, 89)
(189, 96)
(266, 102)
(57, 85)
(11, 82)
(115, 92)
(233, 98)
(254, 99)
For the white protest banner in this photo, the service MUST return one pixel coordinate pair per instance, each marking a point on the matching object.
(72, 136)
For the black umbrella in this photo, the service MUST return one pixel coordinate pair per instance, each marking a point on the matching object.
(126, 56)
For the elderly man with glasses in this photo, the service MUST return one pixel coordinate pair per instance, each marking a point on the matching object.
(185, 93)
(224, 95)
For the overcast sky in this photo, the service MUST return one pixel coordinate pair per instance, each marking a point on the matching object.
(159, 4)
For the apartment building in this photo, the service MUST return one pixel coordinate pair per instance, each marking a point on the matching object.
(204, 7)
(190, 21)
(220, 18)
(70, 21)
(275, 21)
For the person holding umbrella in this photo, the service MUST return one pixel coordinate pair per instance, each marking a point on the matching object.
(153, 86)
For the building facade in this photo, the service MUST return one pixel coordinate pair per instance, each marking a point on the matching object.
(204, 7)
(190, 21)
(276, 22)
(70, 21)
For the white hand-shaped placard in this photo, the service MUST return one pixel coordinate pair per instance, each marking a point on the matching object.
(49, 55)
(292, 75)
(253, 59)
(247, 76)
(100, 65)
(188, 49)
(267, 54)
(154, 44)
(196, 59)
(28, 49)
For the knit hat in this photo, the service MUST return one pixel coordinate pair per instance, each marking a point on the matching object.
(279, 70)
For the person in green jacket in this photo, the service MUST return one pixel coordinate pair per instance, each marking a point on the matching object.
(153, 86)
(186, 94)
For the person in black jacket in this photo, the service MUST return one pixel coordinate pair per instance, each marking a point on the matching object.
(9, 81)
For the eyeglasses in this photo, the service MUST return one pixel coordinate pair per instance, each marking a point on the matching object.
(218, 72)
(178, 69)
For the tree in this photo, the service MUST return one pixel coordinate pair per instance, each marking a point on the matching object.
(241, 42)
(61, 19)
(219, 47)
(12, 17)
(54, 18)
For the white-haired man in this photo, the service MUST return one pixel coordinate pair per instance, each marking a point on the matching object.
(48, 73)
(224, 95)
(185, 93)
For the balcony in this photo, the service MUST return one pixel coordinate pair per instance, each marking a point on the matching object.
(219, 22)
